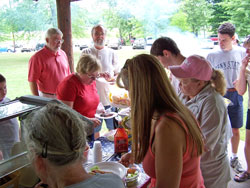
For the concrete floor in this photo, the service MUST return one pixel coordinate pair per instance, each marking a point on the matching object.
(241, 155)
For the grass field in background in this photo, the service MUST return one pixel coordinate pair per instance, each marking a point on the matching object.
(14, 66)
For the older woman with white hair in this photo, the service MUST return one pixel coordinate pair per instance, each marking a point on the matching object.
(55, 138)
(202, 89)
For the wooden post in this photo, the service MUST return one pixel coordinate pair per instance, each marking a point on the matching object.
(64, 24)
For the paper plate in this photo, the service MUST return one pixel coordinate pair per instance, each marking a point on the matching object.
(114, 167)
(114, 114)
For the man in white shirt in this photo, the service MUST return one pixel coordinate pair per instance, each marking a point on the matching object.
(109, 64)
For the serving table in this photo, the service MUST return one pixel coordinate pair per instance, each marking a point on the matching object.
(109, 155)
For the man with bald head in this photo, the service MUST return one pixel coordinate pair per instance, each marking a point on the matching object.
(109, 64)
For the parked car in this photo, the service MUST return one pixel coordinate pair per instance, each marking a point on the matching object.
(214, 38)
(28, 48)
(139, 43)
(149, 41)
(82, 46)
(39, 46)
(6, 49)
(83, 43)
(206, 43)
(115, 43)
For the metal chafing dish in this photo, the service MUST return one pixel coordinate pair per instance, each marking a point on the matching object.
(21, 107)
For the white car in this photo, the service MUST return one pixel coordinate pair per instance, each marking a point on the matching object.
(139, 43)
(115, 43)
(149, 41)
(206, 43)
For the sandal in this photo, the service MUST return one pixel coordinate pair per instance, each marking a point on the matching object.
(242, 177)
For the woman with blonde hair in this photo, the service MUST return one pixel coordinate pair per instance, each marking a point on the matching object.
(165, 135)
(202, 89)
(56, 139)
(78, 90)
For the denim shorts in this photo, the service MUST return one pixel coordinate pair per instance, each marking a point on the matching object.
(235, 109)
(248, 120)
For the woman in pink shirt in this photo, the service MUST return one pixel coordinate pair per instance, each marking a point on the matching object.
(165, 135)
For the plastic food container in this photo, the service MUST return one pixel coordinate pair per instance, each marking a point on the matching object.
(131, 179)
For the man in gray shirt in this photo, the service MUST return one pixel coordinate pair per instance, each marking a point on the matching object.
(228, 59)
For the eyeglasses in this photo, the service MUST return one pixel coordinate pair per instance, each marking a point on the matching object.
(93, 77)
(97, 34)
(61, 41)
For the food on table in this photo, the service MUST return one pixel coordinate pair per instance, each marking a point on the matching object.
(106, 114)
(121, 99)
(131, 172)
(96, 170)
(112, 79)
(132, 176)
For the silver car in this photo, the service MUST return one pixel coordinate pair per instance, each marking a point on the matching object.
(139, 43)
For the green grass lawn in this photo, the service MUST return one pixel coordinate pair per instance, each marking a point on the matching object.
(14, 66)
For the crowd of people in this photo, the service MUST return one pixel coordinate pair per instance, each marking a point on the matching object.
(179, 120)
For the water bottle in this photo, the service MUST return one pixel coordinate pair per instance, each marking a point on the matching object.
(97, 152)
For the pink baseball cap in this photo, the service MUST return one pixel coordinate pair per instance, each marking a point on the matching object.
(194, 66)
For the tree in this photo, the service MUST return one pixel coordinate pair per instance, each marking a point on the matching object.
(179, 19)
(198, 13)
(239, 15)
(218, 16)
(126, 23)
(27, 16)
(150, 18)
(79, 21)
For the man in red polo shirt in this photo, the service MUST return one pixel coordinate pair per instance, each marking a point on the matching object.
(49, 66)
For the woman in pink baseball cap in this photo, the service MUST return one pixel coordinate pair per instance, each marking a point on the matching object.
(202, 89)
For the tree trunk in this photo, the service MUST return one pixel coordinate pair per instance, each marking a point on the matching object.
(14, 41)
(64, 24)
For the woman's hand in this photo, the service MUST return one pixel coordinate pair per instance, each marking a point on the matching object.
(127, 159)
(96, 121)
(105, 75)
(245, 62)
